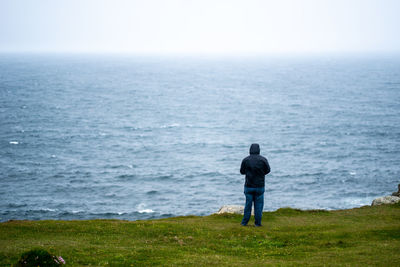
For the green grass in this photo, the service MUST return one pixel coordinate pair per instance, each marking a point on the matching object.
(367, 236)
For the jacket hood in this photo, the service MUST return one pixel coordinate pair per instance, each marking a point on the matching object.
(254, 149)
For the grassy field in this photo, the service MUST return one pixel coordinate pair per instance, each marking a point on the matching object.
(367, 236)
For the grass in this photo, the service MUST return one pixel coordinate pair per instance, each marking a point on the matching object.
(367, 236)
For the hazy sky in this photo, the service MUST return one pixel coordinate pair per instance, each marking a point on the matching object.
(200, 26)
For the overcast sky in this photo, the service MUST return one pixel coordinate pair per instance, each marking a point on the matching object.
(200, 26)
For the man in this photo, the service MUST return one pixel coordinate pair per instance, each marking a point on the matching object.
(255, 167)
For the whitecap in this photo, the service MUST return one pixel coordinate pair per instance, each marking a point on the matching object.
(76, 211)
(141, 209)
(48, 209)
(14, 143)
(353, 173)
(172, 125)
(146, 211)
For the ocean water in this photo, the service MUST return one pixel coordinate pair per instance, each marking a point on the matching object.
(129, 137)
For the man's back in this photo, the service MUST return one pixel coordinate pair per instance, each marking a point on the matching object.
(255, 167)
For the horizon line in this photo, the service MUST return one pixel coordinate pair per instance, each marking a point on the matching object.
(206, 54)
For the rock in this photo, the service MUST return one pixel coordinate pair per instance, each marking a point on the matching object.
(236, 209)
(397, 194)
(385, 200)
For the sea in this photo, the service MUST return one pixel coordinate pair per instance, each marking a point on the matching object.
(133, 137)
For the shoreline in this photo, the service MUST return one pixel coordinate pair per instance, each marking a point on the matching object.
(368, 235)
(225, 209)
(237, 210)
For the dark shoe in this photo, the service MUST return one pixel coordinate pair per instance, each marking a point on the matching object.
(258, 225)
(243, 224)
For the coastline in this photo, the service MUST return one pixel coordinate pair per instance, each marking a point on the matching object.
(230, 209)
(368, 235)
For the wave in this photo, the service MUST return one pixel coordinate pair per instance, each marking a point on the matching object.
(150, 128)
(165, 177)
(173, 125)
(142, 209)
(119, 166)
(55, 214)
(126, 177)
(146, 211)
(15, 205)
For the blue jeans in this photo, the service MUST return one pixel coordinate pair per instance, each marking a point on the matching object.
(255, 195)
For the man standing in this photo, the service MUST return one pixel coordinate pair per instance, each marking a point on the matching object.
(255, 167)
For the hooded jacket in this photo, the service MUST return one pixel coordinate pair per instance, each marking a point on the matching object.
(255, 167)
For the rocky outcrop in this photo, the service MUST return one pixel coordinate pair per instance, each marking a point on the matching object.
(394, 198)
(385, 200)
(397, 194)
(233, 209)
